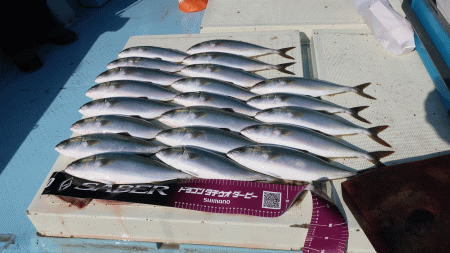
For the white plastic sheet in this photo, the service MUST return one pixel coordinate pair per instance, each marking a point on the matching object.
(391, 29)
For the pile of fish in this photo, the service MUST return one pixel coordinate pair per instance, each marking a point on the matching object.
(160, 114)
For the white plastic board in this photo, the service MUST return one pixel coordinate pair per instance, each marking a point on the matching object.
(266, 15)
(406, 101)
(54, 217)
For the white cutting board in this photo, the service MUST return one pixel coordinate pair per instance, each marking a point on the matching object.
(54, 217)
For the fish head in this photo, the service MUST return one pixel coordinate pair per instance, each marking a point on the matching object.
(271, 114)
(257, 130)
(126, 52)
(87, 167)
(113, 64)
(98, 91)
(171, 154)
(187, 98)
(67, 146)
(262, 101)
(92, 108)
(200, 47)
(108, 75)
(171, 135)
(81, 167)
(82, 126)
(171, 117)
(243, 154)
(193, 59)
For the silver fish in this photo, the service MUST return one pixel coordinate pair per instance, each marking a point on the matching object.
(136, 127)
(193, 84)
(91, 144)
(165, 54)
(138, 74)
(309, 140)
(235, 61)
(215, 139)
(236, 76)
(147, 63)
(304, 86)
(126, 88)
(207, 116)
(325, 123)
(237, 47)
(116, 168)
(203, 163)
(202, 98)
(285, 99)
(145, 108)
(286, 163)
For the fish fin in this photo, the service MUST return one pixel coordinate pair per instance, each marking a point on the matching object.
(105, 161)
(354, 113)
(143, 97)
(226, 129)
(282, 68)
(208, 98)
(359, 90)
(324, 112)
(285, 132)
(92, 142)
(105, 122)
(282, 52)
(377, 155)
(197, 134)
(374, 131)
(274, 155)
(146, 155)
(323, 158)
(228, 109)
(125, 134)
(117, 85)
(114, 102)
(200, 114)
(193, 155)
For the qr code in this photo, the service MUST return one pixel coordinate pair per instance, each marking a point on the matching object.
(271, 200)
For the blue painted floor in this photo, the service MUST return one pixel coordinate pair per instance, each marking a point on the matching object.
(39, 107)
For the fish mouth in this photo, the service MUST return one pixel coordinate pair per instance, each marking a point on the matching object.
(74, 127)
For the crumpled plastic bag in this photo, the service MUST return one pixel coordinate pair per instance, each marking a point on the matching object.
(392, 30)
(192, 5)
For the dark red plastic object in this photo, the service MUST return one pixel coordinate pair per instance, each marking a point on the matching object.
(404, 207)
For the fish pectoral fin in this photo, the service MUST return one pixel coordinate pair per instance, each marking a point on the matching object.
(228, 109)
(193, 156)
(146, 155)
(324, 112)
(124, 134)
(106, 161)
(226, 129)
(105, 122)
(92, 142)
(143, 97)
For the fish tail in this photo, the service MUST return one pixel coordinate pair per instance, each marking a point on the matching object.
(282, 52)
(282, 68)
(354, 113)
(374, 131)
(359, 90)
(377, 155)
